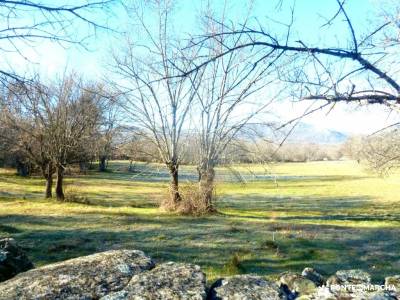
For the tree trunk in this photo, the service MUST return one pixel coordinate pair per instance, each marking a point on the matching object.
(174, 185)
(59, 185)
(22, 168)
(49, 186)
(47, 173)
(206, 187)
(102, 163)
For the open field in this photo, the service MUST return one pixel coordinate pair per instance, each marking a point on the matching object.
(330, 215)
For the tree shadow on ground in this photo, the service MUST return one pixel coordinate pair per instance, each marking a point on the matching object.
(209, 241)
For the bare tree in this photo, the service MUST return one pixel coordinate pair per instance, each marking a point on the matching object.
(53, 124)
(362, 68)
(380, 152)
(228, 98)
(27, 23)
(156, 97)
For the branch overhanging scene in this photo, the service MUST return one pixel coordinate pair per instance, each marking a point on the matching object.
(170, 149)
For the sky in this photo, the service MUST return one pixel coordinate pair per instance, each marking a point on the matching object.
(50, 58)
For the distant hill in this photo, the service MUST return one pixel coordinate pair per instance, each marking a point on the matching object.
(306, 133)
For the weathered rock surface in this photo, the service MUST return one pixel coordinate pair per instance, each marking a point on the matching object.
(325, 293)
(131, 275)
(352, 277)
(88, 277)
(13, 259)
(393, 282)
(314, 276)
(244, 287)
(293, 285)
(168, 281)
(352, 284)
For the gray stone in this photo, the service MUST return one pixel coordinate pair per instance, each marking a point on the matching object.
(327, 293)
(88, 277)
(314, 276)
(13, 259)
(288, 279)
(303, 286)
(167, 281)
(393, 282)
(294, 285)
(244, 287)
(355, 276)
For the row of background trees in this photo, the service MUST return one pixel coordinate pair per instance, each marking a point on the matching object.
(186, 97)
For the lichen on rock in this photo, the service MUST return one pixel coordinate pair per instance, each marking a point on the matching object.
(244, 287)
(88, 277)
(168, 281)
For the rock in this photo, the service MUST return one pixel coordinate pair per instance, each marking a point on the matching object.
(88, 277)
(167, 281)
(354, 292)
(244, 287)
(355, 276)
(288, 279)
(392, 283)
(303, 286)
(332, 280)
(13, 259)
(294, 285)
(314, 276)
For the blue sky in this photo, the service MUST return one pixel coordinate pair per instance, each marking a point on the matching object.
(310, 15)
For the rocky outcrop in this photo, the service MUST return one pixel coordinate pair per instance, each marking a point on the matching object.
(13, 259)
(244, 287)
(167, 281)
(131, 275)
(88, 277)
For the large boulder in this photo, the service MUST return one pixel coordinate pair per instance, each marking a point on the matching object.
(168, 281)
(244, 287)
(88, 277)
(349, 277)
(13, 259)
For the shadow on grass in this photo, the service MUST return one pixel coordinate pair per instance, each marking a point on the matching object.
(209, 241)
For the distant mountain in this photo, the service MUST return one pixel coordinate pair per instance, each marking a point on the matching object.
(302, 133)
(306, 133)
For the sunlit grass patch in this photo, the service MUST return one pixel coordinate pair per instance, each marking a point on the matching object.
(329, 215)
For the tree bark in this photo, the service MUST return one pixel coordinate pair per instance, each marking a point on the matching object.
(174, 185)
(102, 163)
(59, 184)
(49, 186)
(47, 172)
(206, 187)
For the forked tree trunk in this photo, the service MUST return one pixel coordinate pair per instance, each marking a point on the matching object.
(206, 187)
(59, 184)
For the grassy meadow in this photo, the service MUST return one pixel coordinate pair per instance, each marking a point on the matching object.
(329, 215)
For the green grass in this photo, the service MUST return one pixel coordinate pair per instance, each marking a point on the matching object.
(329, 215)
